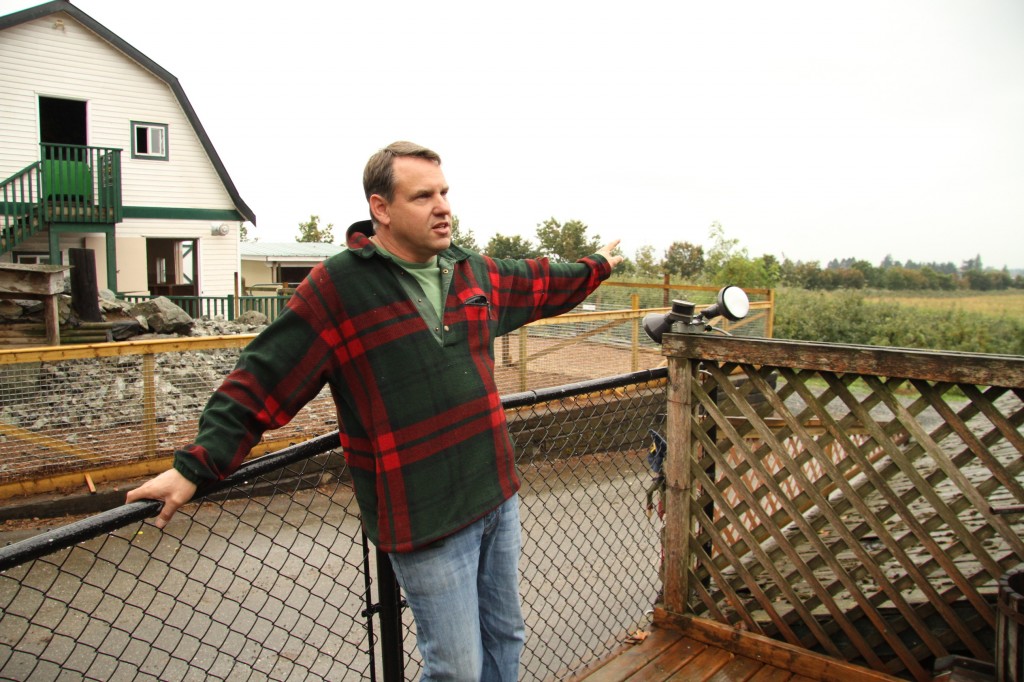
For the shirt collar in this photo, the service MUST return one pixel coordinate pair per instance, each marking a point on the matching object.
(357, 238)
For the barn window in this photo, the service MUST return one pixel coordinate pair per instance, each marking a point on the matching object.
(149, 140)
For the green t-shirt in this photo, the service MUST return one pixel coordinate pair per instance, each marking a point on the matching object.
(430, 278)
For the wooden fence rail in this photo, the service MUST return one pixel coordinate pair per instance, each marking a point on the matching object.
(118, 410)
(860, 502)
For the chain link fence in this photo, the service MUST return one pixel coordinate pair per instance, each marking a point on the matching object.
(118, 410)
(269, 578)
(108, 409)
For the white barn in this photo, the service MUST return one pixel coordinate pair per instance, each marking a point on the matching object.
(103, 151)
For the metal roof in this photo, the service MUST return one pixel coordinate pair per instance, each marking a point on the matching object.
(291, 250)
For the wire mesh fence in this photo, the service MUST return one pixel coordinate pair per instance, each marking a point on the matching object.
(270, 578)
(106, 408)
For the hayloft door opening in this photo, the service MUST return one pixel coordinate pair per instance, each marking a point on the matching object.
(61, 122)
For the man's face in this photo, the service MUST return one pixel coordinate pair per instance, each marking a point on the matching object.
(416, 224)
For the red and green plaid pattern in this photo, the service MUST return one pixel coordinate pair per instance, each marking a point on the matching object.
(421, 422)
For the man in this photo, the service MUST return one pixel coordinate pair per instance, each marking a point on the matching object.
(401, 326)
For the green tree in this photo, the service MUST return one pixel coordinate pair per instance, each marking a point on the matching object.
(722, 250)
(972, 264)
(644, 263)
(243, 234)
(501, 246)
(748, 272)
(310, 231)
(463, 237)
(872, 275)
(728, 263)
(849, 278)
(938, 280)
(684, 259)
(566, 243)
(626, 268)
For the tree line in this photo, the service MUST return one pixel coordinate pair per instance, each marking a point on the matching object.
(725, 261)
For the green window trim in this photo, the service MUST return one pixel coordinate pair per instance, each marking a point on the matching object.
(178, 213)
(149, 141)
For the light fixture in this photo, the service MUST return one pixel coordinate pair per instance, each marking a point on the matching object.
(219, 229)
(732, 304)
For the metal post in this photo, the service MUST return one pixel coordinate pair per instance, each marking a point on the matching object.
(370, 608)
(389, 593)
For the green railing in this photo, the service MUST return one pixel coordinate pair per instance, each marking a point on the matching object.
(69, 184)
(228, 307)
(19, 204)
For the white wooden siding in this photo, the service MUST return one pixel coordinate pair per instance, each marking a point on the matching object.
(257, 272)
(37, 59)
(218, 256)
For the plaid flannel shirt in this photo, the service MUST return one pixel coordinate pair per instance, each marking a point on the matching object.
(421, 421)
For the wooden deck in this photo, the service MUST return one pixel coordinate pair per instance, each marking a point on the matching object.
(696, 649)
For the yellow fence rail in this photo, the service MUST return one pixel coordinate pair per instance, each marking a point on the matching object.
(118, 410)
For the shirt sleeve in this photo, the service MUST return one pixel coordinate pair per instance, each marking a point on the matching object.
(532, 289)
(281, 370)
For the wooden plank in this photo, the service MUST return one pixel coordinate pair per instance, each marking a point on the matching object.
(880, 484)
(770, 568)
(769, 673)
(19, 279)
(678, 484)
(115, 473)
(796, 517)
(838, 526)
(634, 658)
(70, 481)
(907, 468)
(704, 666)
(740, 668)
(778, 654)
(970, 368)
(124, 348)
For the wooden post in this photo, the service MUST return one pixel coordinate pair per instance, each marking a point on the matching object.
(234, 311)
(678, 483)
(523, 334)
(85, 295)
(506, 351)
(634, 301)
(149, 404)
(38, 283)
(52, 320)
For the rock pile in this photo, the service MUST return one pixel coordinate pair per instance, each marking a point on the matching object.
(155, 318)
(90, 401)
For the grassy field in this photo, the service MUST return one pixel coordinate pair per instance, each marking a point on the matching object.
(1008, 304)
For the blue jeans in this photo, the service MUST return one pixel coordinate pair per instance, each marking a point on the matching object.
(464, 595)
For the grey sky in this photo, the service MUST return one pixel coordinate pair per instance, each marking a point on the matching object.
(811, 130)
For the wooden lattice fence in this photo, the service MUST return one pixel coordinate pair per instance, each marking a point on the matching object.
(860, 502)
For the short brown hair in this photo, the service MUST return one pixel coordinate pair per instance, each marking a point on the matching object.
(379, 174)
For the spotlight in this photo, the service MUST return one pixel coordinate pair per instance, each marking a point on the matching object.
(656, 324)
(732, 304)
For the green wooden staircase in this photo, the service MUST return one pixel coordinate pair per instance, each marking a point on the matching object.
(70, 187)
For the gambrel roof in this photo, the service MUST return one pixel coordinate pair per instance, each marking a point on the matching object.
(119, 43)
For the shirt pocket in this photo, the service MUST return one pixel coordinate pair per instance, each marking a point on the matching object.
(475, 321)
